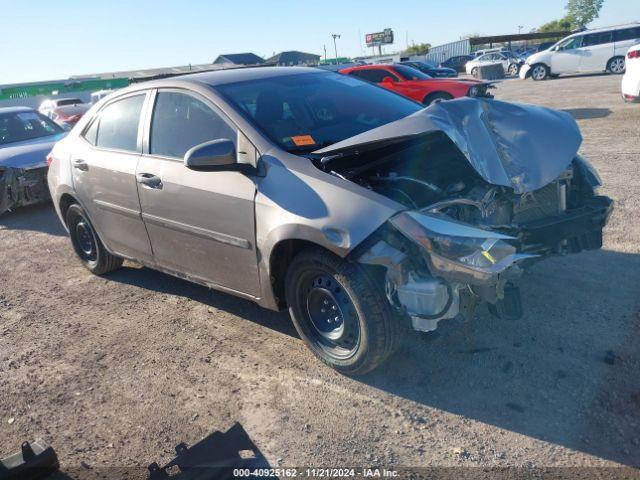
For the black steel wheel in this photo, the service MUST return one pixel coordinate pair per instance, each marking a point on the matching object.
(341, 312)
(87, 243)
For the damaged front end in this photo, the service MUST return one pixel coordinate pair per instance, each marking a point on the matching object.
(20, 187)
(488, 187)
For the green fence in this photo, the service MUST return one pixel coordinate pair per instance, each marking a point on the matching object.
(61, 88)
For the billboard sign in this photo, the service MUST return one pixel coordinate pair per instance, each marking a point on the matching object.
(379, 38)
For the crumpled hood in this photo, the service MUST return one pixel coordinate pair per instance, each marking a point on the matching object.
(28, 154)
(515, 145)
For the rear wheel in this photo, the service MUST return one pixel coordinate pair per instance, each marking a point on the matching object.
(513, 69)
(436, 97)
(340, 312)
(616, 65)
(474, 72)
(87, 244)
(539, 72)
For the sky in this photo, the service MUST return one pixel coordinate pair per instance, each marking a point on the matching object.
(47, 40)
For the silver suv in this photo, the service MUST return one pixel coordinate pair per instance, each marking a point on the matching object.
(355, 208)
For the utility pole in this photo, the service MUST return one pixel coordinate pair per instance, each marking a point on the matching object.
(335, 46)
(520, 27)
(325, 53)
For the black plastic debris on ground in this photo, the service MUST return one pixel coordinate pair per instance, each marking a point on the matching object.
(212, 458)
(34, 461)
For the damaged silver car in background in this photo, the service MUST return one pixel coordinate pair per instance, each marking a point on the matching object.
(26, 137)
(361, 212)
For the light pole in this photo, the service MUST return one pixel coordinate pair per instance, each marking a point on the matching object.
(520, 27)
(335, 46)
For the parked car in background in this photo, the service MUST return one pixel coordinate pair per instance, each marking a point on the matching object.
(631, 78)
(457, 62)
(598, 50)
(510, 63)
(432, 70)
(26, 137)
(99, 95)
(48, 106)
(362, 213)
(484, 51)
(68, 115)
(416, 85)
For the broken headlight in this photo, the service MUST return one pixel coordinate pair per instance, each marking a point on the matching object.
(457, 242)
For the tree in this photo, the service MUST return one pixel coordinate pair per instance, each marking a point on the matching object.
(583, 12)
(419, 49)
(562, 25)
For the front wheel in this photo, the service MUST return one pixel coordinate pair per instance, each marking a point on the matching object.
(87, 244)
(616, 65)
(513, 69)
(539, 72)
(340, 312)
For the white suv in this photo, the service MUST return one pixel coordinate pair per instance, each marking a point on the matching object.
(631, 79)
(598, 50)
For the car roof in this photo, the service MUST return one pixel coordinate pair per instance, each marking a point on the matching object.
(16, 109)
(372, 65)
(605, 29)
(229, 75)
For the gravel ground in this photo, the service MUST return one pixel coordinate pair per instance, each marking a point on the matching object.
(116, 371)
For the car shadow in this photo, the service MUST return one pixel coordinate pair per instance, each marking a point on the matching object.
(163, 283)
(36, 218)
(587, 113)
(567, 373)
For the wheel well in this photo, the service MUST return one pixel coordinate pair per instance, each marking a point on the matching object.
(612, 59)
(65, 202)
(280, 259)
(428, 98)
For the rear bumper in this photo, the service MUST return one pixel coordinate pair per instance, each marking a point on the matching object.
(577, 230)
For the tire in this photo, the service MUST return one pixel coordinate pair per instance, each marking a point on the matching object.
(365, 330)
(616, 65)
(474, 72)
(435, 98)
(513, 69)
(539, 72)
(87, 243)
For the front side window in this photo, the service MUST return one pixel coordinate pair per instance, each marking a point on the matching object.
(373, 75)
(26, 125)
(596, 39)
(570, 43)
(117, 125)
(181, 122)
(304, 112)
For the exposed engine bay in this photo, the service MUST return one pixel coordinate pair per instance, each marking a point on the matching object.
(20, 187)
(463, 240)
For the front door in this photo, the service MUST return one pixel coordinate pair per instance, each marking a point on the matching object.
(104, 170)
(201, 224)
(566, 59)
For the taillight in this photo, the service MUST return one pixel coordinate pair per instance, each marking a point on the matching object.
(49, 159)
(633, 54)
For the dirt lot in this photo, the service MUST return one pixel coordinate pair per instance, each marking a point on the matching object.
(116, 371)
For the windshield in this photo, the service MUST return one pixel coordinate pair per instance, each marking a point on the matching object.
(410, 73)
(302, 113)
(27, 125)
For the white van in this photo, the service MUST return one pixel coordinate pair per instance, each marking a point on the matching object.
(598, 50)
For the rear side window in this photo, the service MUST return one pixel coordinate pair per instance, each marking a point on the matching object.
(117, 126)
(626, 34)
(181, 122)
(596, 39)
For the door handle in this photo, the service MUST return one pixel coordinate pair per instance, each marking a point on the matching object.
(149, 180)
(80, 165)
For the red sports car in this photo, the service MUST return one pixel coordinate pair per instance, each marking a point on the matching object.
(419, 86)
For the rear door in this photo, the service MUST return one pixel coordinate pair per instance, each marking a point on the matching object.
(624, 39)
(597, 50)
(104, 169)
(201, 224)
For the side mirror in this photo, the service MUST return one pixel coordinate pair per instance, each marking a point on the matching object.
(215, 155)
(388, 80)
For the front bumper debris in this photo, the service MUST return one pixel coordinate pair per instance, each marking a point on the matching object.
(21, 187)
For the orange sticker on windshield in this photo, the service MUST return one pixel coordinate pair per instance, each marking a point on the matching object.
(303, 140)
